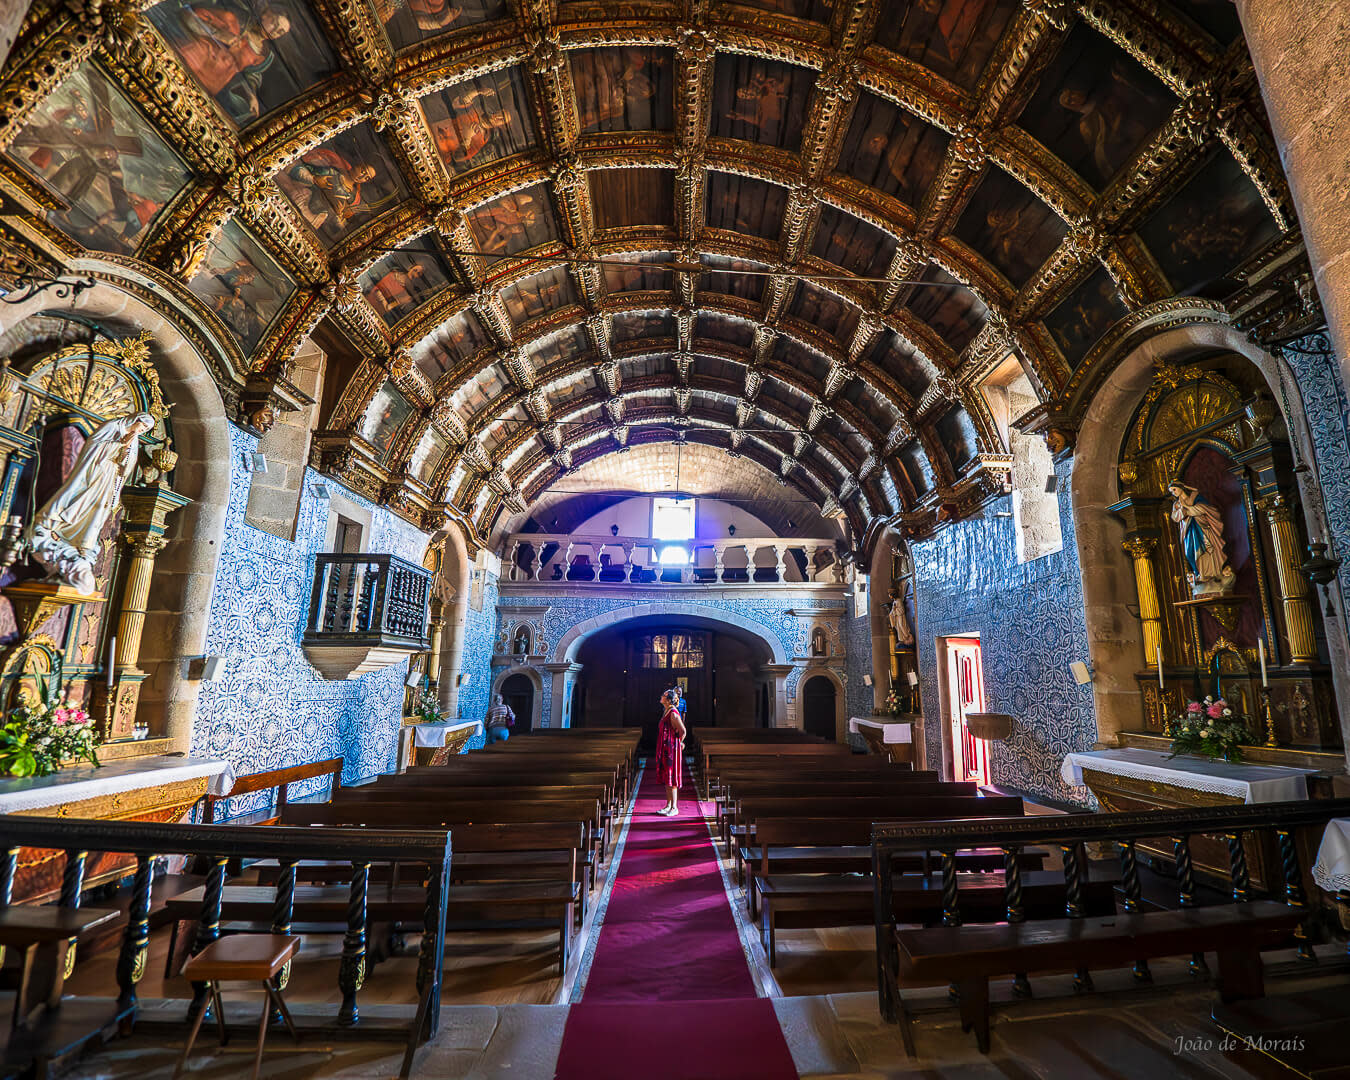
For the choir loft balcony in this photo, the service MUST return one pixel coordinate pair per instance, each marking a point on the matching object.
(366, 612)
(626, 561)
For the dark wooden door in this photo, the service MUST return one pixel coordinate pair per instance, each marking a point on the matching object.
(818, 707)
(659, 658)
(519, 694)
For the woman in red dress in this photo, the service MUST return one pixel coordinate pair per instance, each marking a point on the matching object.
(670, 753)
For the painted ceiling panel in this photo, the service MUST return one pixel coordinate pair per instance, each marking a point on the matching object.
(952, 310)
(399, 282)
(409, 22)
(745, 205)
(461, 337)
(892, 150)
(624, 89)
(343, 183)
(952, 38)
(540, 294)
(1015, 230)
(482, 120)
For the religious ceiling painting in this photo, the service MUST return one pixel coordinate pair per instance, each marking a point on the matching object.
(430, 452)
(723, 329)
(624, 89)
(743, 204)
(916, 466)
(956, 432)
(762, 101)
(90, 147)
(892, 150)
(650, 327)
(824, 310)
(628, 197)
(482, 120)
(1096, 107)
(250, 56)
(1085, 315)
(461, 337)
(1208, 227)
(852, 243)
(893, 355)
(952, 38)
(514, 223)
(637, 271)
(1218, 18)
(734, 277)
(344, 183)
(557, 348)
(242, 284)
(797, 357)
(409, 22)
(815, 10)
(399, 282)
(952, 310)
(387, 414)
(1014, 230)
(540, 294)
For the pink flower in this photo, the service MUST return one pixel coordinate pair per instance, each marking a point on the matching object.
(1194, 707)
(1216, 710)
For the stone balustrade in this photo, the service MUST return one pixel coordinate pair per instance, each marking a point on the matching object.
(637, 560)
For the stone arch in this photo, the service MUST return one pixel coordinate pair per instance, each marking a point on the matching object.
(454, 581)
(568, 645)
(536, 680)
(1114, 635)
(840, 698)
(185, 355)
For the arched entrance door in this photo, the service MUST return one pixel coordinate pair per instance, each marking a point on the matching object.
(519, 694)
(818, 707)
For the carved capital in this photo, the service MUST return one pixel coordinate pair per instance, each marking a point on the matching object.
(1276, 507)
(1140, 547)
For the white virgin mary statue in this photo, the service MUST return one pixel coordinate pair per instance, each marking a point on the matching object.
(64, 535)
(1202, 546)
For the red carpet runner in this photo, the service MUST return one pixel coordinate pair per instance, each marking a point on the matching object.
(669, 995)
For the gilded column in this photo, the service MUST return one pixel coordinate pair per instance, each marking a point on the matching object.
(1140, 549)
(437, 623)
(1293, 585)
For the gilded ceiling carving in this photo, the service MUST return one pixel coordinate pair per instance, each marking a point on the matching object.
(398, 172)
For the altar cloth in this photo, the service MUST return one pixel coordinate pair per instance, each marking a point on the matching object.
(892, 731)
(80, 782)
(1332, 869)
(436, 734)
(1248, 782)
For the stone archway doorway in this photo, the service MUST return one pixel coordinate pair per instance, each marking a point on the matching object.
(818, 707)
(518, 692)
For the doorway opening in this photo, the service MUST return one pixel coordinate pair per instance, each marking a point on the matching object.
(518, 693)
(964, 687)
(818, 707)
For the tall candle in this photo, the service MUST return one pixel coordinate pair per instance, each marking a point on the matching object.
(1160, 671)
(1261, 651)
(112, 652)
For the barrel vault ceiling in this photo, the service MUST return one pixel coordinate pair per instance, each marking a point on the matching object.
(530, 234)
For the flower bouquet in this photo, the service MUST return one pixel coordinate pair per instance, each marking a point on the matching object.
(1209, 729)
(895, 704)
(427, 709)
(44, 732)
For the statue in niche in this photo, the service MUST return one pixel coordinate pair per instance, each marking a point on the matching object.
(64, 536)
(899, 623)
(1201, 532)
(819, 647)
(522, 642)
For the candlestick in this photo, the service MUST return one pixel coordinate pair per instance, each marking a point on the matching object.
(1270, 719)
(112, 653)
(1261, 650)
(1160, 670)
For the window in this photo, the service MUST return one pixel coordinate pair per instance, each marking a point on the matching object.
(678, 650)
(673, 519)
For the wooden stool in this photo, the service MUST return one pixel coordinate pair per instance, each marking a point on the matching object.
(242, 958)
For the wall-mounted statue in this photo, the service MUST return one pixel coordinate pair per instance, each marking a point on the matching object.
(819, 646)
(64, 535)
(899, 623)
(1201, 528)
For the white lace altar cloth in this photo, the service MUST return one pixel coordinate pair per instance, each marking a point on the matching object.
(1249, 782)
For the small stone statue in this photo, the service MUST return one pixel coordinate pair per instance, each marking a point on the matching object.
(896, 617)
(1201, 533)
(64, 536)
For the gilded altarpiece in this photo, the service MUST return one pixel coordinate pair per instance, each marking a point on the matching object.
(1208, 435)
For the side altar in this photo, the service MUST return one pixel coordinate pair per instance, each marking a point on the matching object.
(160, 789)
(1133, 778)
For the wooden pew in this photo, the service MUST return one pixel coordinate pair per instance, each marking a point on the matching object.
(280, 779)
(970, 956)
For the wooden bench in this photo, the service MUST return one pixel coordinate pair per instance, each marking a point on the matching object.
(278, 779)
(970, 955)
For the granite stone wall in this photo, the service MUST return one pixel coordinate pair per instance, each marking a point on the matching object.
(270, 709)
(1031, 624)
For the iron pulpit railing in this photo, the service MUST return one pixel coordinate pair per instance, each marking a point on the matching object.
(365, 612)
